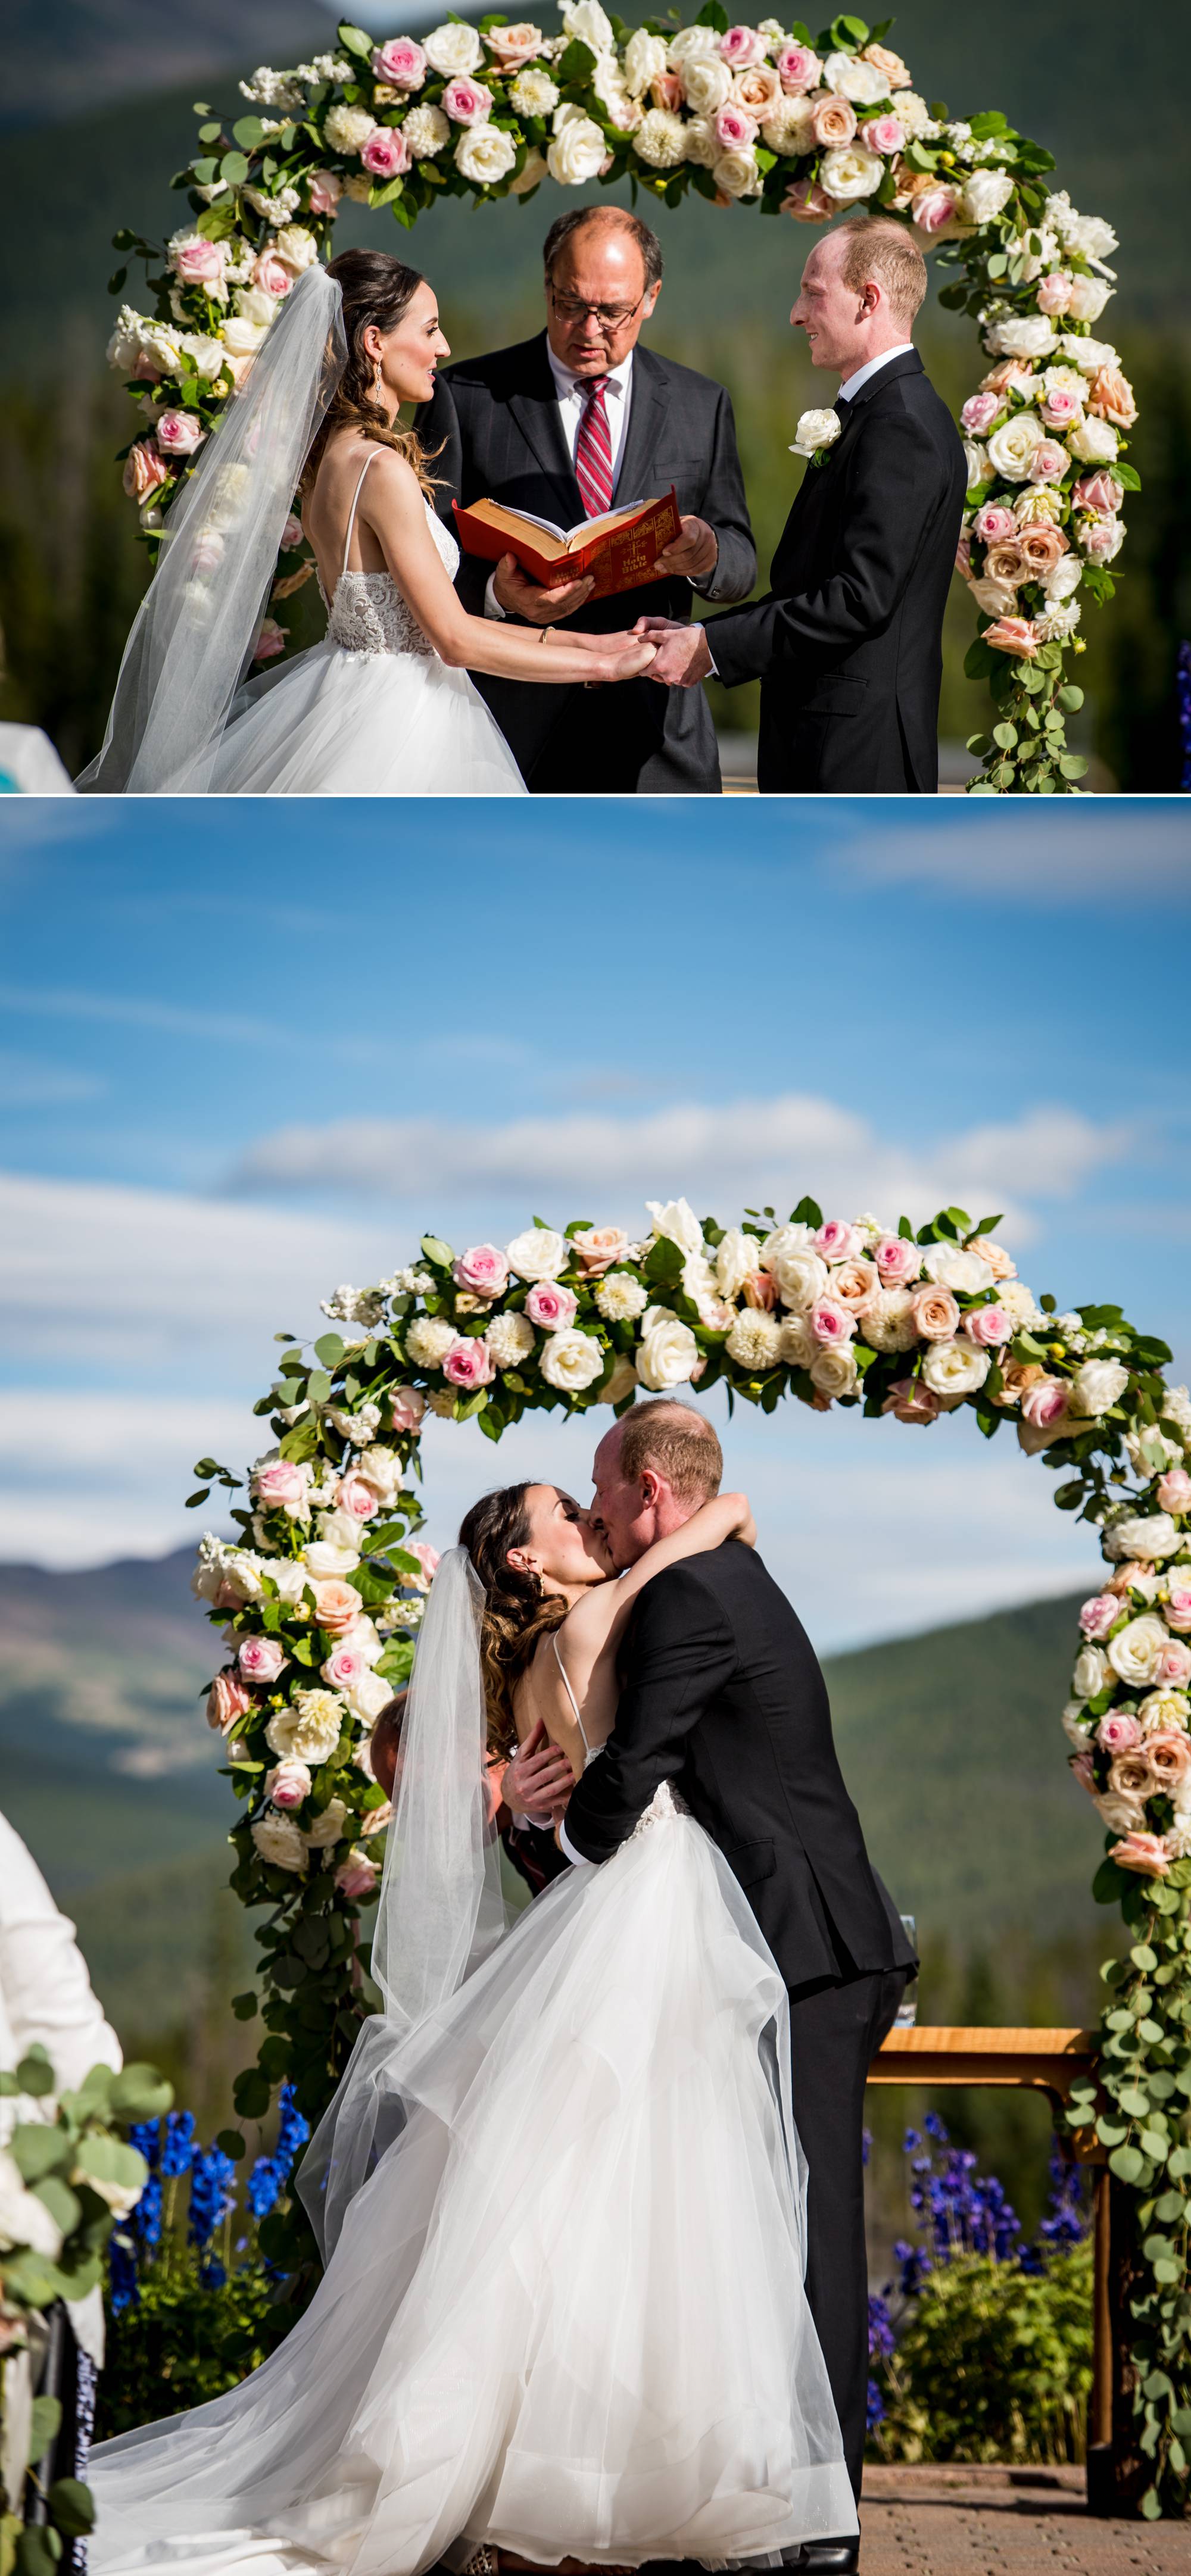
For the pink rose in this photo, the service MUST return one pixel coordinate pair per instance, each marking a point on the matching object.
(1099, 1615)
(227, 1700)
(963, 554)
(325, 191)
(598, 1247)
(1178, 1603)
(428, 1558)
(1174, 1491)
(356, 1497)
(760, 1291)
(1013, 635)
(179, 433)
(270, 641)
(407, 1408)
(271, 275)
(1173, 1664)
(292, 536)
(551, 1308)
(386, 153)
(1053, 294)
(345, 1668)
(742, 46)
(200, 262)
(733, 128)
(469, 1363)
(483, 1269)
(994, 524)
(934, 209)
(1049, 462)
(289, 1784)
(833, 120)
(261, 1660)
(1099, 492)
(836, 1241)
(336, 1606)
(797, 68)
(831, 1322)
(883, 134)
(988, 1327)
(1111, 395)
(401, 63)
(282, 1485)
(910, 1401)
(1060, 409)
(898, 1260)
(144, 471)
(1100, 539)
(1084, 1770)
(467, 101)
(1044, 1403)
(357, 1877)
(979, 413)
(1145, 1852)
(808, 203)
(935, 1313)
(1119, 1732)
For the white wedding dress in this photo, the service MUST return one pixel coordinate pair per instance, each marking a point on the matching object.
(371, 711)
(565, 2315)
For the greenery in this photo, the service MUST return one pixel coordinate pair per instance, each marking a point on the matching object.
(185, 2342)
(992, 2363)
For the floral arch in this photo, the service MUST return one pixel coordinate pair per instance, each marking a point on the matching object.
(747, 115)
(320, 1597)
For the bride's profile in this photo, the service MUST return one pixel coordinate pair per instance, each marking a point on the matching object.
(383, 704)
(559, 2191)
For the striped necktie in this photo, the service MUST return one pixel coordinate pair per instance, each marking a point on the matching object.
(593, 451)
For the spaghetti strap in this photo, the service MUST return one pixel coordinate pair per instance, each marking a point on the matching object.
(347, 543)
(566, 1683)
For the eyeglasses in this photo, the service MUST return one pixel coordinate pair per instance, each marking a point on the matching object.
(607, 317)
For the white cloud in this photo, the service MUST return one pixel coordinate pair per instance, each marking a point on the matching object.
(93, 1475)
(1055, 856)
(29, 1082)
(750, 1152)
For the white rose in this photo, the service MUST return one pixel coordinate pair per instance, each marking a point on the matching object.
(691, 42)
(799, 1346)
(24, 2219)
(621, 1383)
(296, 246)
(328, 1827)
(588, 24)
(1093, 441)
(510, 1340)
(208, 355)
(621, 1298)
(279, 1842)
(324, 1563)
(381, 1468)
(815, 430)
(288, 1574)
(834, 1373)
(675, 1221)
(784, 1239)
(1013, 447)
(241, 339)
(737, 1255)
(755, 1341)
(485, 154)
(645, 61)
(1063, 579)
(571, 1361)
(620, 107)
(850, 172)
(912, 113)
(984, 194)
(787, 127)
(539, 1253)
(372, 1692)
(533, 93)
(702, 142)
(1097, 1385)
(428, 1339)
(889, 1321)
(347, 128)
(801, 1277)
(1088, 355)
(1121, 1815)
(1150, 1536)
(1087, 300)
(533, 170)
(951, 1267)
(1090, 1676)
(1074, 1727)
(1029, 336)
(976, 463)
(1134, 1651)
(1164, 1708)
(955, 1369)
(736, 173)
(660, 140)
(707, 82)
(453, 48)
(311, 1728)
(850, 77)
(1111, 537)
(668, 1351)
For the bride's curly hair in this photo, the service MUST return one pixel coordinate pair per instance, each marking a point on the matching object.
(517, 1610)
(376, 288)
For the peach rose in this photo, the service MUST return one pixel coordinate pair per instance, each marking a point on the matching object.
(1008, 371)
(1131, 1776)
(1145, 1852)
(1003, 562)
(227, 1701)
(833, 120)
(889, 64)
(598, 1248)
(760, 1291)
(994, 1256)
(936, 1315)
(407, 1408)
(144, 471)
(1012, 635)
(1169, 1757)
(757, 90)
(808, 203)
(855, 1283)
(1041, 546)
(1125, 1577)
(667, 91)
(910, 1401)
(514, 46)
(336, 1606)
(1110, 395)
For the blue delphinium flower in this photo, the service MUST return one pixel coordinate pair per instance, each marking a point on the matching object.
(179, 2150)
(270, 2174)
(124, 2280)
(212, 2195)
(145, 2136)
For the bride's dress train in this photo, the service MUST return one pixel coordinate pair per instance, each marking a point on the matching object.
(566, 2313)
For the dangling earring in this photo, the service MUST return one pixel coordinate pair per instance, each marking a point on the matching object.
(377, 383)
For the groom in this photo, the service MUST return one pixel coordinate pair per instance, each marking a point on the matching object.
(564, 426)
(722, 1695)
(847, 643)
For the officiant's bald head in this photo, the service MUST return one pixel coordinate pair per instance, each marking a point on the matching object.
(603, 278)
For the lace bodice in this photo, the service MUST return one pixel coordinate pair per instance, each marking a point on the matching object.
(368, 615)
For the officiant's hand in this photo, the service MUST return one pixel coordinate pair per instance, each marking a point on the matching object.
(521, 597)
(692, 554)
(683, 654)
(539, 1779)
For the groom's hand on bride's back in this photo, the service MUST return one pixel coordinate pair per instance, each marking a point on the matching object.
(539, 1779)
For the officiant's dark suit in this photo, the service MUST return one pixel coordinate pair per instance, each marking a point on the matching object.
(722, 1695)
(847, 643)
(497, 422)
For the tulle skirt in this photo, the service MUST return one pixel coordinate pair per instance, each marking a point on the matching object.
(332, 723)
(566, 2314)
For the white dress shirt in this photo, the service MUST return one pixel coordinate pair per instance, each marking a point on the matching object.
(863, 376)
(572, 394)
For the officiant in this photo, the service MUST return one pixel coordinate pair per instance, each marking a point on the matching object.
(568, 425)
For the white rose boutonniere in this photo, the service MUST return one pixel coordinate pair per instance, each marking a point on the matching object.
(816, 432)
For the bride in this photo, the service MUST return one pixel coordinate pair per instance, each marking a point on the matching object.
(560, 2189)
(383, 705)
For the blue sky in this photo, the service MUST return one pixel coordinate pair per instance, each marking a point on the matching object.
(249, 1051)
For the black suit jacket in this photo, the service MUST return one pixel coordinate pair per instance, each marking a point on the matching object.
(722, 1695)
(496, 422)
(847, 643)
